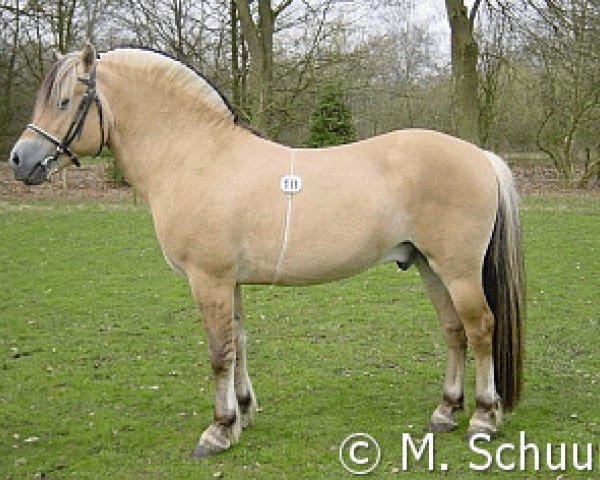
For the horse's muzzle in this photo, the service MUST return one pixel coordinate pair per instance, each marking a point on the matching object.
(26, 168)
(38, 175)
(30, 176)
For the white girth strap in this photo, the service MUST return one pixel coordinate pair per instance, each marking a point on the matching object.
(289, 184)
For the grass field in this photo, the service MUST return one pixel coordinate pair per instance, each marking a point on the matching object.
(104, 370)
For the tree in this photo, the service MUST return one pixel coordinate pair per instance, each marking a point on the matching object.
(331, 121)
(239, 65)
(258, 35)
(177, 27)
(9, 46)
(565, 43)
(464, 55)
(492, 61)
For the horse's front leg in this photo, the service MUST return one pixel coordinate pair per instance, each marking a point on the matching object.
(215, 298)
(243, 386)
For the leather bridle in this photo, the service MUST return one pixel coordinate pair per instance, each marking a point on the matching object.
(74, 131)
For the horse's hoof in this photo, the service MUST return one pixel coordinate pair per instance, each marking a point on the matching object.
(216, 439)
(442, 420)
(483, 423)
(441, 427)
(485, 432)
(247, 420)
(202, 451)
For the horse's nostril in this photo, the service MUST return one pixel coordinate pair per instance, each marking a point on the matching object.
(15, 159)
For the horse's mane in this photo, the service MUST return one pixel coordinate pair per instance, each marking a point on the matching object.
(178, 75)
(63, 73)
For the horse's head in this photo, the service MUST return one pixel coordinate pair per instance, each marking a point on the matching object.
(67, 120)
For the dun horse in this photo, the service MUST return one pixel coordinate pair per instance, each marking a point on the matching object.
(231, 208)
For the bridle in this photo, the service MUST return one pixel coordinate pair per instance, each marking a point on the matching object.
(76, 126)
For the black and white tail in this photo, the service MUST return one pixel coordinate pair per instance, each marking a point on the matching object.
(504, 285)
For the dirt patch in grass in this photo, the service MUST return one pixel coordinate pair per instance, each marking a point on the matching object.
(93, 182)
(542, 180)
(87, 182)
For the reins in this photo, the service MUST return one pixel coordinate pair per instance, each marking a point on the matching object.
(76, 126)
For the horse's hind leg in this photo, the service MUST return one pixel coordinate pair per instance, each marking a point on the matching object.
(215, 298)
(471, 305)
(243, 386)
(442, 419)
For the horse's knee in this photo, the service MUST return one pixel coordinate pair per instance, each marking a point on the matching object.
(221, 346)
(222, 357)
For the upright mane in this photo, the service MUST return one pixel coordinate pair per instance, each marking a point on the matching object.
(179, 76)
(62, 75)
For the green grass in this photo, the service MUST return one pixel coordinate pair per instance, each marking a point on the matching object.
(104, 370)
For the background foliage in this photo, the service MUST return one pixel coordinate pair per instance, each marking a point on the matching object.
(331, 120)
(530, 67)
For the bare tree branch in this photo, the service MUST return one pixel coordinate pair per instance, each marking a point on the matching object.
(474, 11)
(281, 7)
(248, 27)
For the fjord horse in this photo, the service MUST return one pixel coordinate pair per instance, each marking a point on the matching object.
(231, 208)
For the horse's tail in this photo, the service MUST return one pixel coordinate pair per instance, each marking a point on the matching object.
(504, 285)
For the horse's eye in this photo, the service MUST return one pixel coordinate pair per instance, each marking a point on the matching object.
(64, 104)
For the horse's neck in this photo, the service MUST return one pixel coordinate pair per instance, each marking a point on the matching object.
(153, 138)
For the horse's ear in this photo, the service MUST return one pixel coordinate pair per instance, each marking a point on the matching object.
(88, 56)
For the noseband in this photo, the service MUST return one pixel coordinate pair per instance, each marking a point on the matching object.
(76, 126)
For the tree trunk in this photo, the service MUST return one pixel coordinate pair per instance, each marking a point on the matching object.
(259, 38)
(63, 24)
(6, 113)
(235, 55)
(239, 64)
(178, 15)
(465, 53)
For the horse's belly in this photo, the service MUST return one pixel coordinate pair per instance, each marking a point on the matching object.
(323, 274)
(332, 258)
(328, 270)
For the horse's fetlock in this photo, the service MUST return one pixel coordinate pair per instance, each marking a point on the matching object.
(488, 405)
(245, 402)
(454, 403)
(227, 420)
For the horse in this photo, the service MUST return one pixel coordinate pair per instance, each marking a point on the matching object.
(231, 208)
